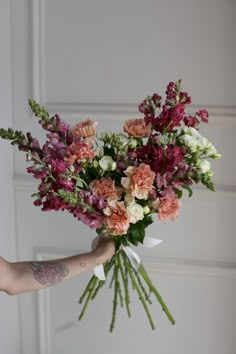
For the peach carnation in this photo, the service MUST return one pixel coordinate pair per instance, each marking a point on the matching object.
(137, 128)
(168, 208)
(78, 152)
(105, 187)
(84, 129)
(117, 218)
(139, 180)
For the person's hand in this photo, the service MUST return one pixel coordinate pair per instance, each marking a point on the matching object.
(103, 248)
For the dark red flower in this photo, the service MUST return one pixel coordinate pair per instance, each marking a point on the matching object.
(203, 114)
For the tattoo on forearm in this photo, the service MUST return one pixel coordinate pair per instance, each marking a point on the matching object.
(49, 273)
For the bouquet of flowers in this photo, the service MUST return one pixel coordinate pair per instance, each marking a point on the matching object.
(116, 183)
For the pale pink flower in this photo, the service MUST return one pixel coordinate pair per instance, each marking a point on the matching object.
(155, 204)
(84, 129)
(78, 152)
(168, 208)
(137, 128)
(105, 187)
(117, 218)
(139, 180)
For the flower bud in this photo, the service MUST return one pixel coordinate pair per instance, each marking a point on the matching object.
(106, 163)
(205, 166)
(146, 210)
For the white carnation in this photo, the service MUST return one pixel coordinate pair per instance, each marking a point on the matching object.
(135, 212)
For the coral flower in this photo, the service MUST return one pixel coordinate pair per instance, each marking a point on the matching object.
(117, 218)
(137, 128)
(168, 208)
(78, 152)
(139, 180)
(105, 187)
(84, 129)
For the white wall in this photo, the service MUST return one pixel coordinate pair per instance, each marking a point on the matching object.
(98, 59)
(9, 325)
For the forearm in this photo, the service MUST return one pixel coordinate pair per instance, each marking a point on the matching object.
(21, 277)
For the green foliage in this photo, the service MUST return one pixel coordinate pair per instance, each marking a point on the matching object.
(16, 136)
(39, 111)
(190, 192)
(136, 232)
(178, 192)
(69, 197)
(208, 183)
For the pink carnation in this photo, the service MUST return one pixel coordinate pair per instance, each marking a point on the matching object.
(78, 152)
(137, 128)
(105, 187)
(168, 208)
(117, 218)
(139, 180)
(84, 129)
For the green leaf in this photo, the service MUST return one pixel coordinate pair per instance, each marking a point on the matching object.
(190, 192)
(136, 233)
(147, 220)
(178, 192)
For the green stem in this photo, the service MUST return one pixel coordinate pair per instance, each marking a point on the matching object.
(107, 268)
(116, 289)
(86, 289)
(125, 284)
(90, 293)
(147, 297)
(128, 266)
(148, 281)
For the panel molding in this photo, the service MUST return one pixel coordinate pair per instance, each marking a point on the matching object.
(25, 182)
(96, 108)
(169, 267)
(72, 108)
(162, 265)
(44, 325)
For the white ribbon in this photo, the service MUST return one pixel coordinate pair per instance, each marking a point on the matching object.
(135, 260)
(133, 257)
(150, 242)
(99, 272)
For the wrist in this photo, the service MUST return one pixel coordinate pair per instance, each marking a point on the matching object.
(100, 257)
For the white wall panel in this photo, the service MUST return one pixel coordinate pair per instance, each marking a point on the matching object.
(189, 291)
(98, 59)
(9, 334)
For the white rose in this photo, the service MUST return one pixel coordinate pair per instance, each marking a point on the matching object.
(191, 131)
(205, 166)
(135, 212)
(202, 143)
(106, 163)
(189, 141)
(194, 132)
(211, 150)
